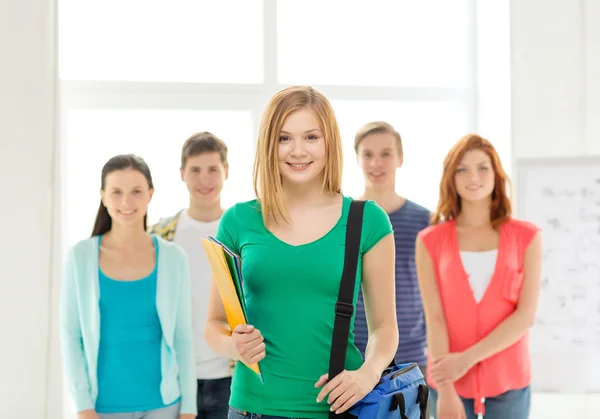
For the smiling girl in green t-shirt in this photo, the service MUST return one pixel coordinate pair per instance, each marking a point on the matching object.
(292, 242)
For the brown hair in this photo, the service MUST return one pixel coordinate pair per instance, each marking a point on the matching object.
(377, 127)
(267, 179)
(449, 205)
(203, 142)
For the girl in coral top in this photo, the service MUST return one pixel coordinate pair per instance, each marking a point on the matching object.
(479, 271)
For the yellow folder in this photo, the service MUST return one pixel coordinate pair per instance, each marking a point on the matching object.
(234, 308)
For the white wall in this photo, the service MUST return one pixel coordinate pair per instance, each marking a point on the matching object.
(555, 71)
(27, 109)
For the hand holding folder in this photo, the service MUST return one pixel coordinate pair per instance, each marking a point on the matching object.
(227, 273)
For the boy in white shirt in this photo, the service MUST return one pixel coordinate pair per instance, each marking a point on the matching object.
(204, 169)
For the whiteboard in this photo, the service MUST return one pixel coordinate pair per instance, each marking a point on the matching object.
(562, 197)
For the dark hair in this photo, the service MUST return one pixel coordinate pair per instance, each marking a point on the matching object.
(103, 222)
(203, 142)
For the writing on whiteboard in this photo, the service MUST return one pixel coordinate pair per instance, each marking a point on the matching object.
(567, 208)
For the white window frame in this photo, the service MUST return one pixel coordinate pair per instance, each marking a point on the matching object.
(77, 95)
(88, 95)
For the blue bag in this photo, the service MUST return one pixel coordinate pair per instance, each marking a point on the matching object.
(401, 392)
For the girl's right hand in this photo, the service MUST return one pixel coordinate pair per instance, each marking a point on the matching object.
(449, 405)
(87, 414)
(248, 343)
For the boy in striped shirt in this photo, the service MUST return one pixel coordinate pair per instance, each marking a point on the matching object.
(379, 153)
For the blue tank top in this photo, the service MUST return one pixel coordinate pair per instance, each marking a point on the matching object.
(407, 221)
(129, 363)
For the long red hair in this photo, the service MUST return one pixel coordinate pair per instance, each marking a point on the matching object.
(449, 205)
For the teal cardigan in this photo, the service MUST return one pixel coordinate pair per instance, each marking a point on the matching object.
(80, 325)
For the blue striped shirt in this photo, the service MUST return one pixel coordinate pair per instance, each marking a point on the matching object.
(407, 221)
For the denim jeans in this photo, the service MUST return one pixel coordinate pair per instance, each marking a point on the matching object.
(237, 414)
(169, 412)
(513, 404)
(213, 398)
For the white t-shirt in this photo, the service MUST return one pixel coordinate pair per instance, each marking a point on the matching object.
(480, 268)
(187, 235)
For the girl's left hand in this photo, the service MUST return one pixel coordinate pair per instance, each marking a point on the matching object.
(346, 389)
(449, 368)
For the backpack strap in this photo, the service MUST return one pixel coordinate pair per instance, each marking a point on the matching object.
(344, 307)
(399, 403)
(422, 398)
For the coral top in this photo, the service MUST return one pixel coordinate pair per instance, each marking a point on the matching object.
(468, 322)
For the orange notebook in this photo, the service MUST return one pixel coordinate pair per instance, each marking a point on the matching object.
(233, 302)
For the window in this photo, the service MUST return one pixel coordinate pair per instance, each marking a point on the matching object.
(379, 43)
(427, 129)
(142, 76)
(175, 41)
(94, 136)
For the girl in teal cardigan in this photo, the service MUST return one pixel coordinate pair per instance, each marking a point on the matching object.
(126, 328)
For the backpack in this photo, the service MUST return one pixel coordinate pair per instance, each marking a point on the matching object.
(401, 393)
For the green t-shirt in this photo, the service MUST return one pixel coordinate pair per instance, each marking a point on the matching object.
(291, 293)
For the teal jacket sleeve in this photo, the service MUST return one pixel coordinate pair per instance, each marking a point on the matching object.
(184, 343)
(73, 356)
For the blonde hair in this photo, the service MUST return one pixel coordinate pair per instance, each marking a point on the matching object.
(267, 178)
(377, 127)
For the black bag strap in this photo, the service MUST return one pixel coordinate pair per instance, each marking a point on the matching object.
(422, 399)
(344, 307)
(399, 404)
